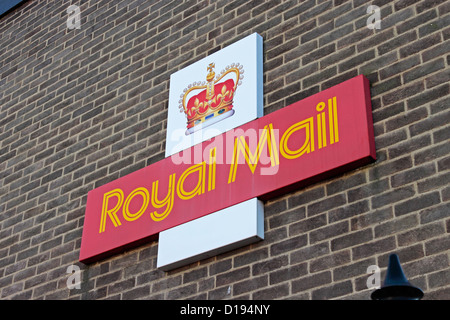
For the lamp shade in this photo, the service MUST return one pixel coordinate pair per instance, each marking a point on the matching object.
(396, 286)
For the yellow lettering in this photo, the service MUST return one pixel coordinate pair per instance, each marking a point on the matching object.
(334, 130)
(166, 202)
(308, 145)
(200, 186)
(111, 213)
(321, 126)
(212, 170)
(252, 159)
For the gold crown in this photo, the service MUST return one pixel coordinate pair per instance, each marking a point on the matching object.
(210, 101)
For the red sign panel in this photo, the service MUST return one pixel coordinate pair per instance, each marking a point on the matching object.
(320, 136)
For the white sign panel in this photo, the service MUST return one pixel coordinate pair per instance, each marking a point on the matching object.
(216, 94)
(211, 235)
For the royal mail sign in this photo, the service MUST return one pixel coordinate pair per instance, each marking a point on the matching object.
(315, 138)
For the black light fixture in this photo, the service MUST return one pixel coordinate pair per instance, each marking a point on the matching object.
(396, 286)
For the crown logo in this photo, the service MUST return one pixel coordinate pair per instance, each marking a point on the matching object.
(208, 102)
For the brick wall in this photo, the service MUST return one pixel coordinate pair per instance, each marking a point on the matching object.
(80, 108)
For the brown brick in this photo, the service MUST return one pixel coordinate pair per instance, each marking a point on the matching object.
(411, 175)
(273, 292)
(333, 291)
(288, 245)
(352, 270)
(327, 204)
(309, 224)
(420, 45)
(312, 281)
(371, 248)
(333, 260)
(409, 146)
(417, 203)
(402, 93)
(81, 108)
(231, 276)
(351, 239)
(250, 285)
(392, 197)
